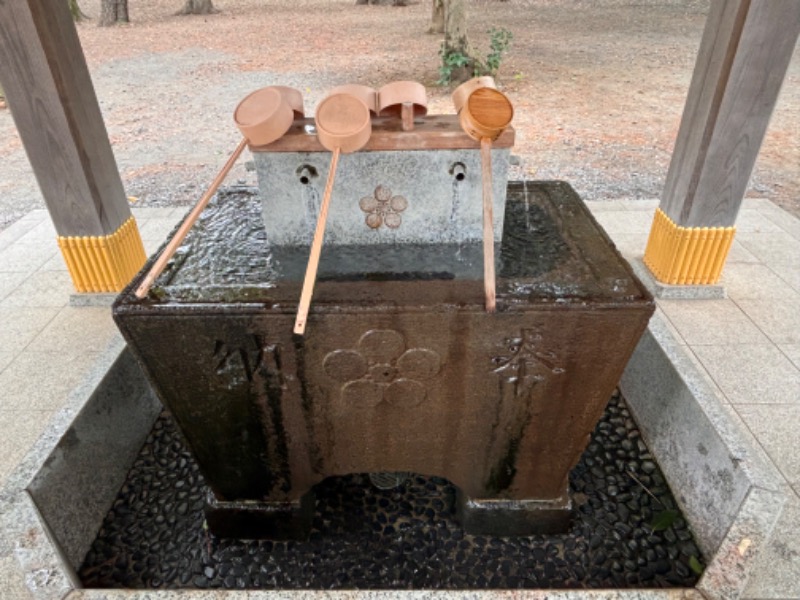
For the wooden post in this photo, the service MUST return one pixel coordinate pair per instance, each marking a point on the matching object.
(53, 103)
(742, 61)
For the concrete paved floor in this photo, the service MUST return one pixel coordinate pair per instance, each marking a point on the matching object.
(748, 344)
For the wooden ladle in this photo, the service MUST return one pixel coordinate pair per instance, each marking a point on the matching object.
(484, 116)
(343, 125)
(462, 92)
(403, 99)
(263, 116)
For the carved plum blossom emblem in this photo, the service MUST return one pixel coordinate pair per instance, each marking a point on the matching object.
(524, 362)
(382, 369)
(383, 208)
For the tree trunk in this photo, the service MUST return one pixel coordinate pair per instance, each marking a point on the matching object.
(382, 2)
(113, 12)
(455, 38)
(197, 7)
(77, 13)
(437, 17)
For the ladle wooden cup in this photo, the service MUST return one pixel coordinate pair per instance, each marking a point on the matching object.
(463, 92)
(343, 125)
(403, 99)
(484, 116)
(262, 117)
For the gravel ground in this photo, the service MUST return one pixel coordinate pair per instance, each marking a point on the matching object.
(626, 531)
(598, 88)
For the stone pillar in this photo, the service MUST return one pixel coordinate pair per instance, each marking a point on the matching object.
(50, 92)
(743, 58)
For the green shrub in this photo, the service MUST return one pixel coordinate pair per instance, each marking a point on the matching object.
(453, 60)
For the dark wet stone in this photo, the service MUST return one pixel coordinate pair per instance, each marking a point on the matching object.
(662, 566)
(675, 580)
(646, 573)
(689, 549)
(630, 566)
(684, 535)
(623, 529)
(171, 574)
(648, 466)
(682, 570)
(623, 512)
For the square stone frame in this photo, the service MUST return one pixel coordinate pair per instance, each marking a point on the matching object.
(53, 503)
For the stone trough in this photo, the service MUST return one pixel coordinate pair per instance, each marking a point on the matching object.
(401, 369)
(54, 503)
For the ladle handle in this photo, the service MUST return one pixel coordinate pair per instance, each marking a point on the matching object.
(316, 249)
(187, 224)
(488, 225)
(407, 116)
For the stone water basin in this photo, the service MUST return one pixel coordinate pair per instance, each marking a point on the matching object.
(400, 370)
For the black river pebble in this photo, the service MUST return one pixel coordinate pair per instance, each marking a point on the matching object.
(402, 538)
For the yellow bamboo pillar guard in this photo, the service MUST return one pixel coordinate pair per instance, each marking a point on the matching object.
(686, 255)
(104, 263)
